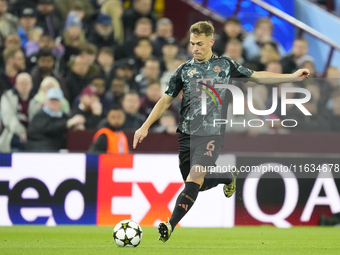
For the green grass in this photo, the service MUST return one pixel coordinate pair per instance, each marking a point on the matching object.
(239, 240)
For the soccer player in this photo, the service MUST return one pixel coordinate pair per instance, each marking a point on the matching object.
(199, 142)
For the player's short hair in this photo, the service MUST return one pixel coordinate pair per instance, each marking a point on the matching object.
(203, 27)
(10, 52)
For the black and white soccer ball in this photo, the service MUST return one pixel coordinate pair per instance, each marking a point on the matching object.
(127, 233)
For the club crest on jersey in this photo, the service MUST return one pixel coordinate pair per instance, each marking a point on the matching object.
(217, 69)
(192, 72)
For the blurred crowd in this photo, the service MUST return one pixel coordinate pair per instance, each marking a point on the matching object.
(77, 64)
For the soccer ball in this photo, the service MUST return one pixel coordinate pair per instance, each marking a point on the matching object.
(127, 233)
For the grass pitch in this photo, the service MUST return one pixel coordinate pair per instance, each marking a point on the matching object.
(239, 240)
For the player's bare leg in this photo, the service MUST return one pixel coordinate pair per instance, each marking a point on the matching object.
(184, 202)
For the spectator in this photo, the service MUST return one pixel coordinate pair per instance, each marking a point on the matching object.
(172, 66)
(232, 30)
(261, 91)
(150, 71)
(269, 52)
(169, 51)
(333, 77)
(90, 52)
(74, 37)
(290, 95)
(274, 67)
(32, 43)
(335, 112)
(125, 69)
(320, 99)
(299, 49)
(115, 9)
(103, 34)
(167, 123)
(8, 23)
(106, 61)
(17, 111)
(15, 7)
(87, 20)
(44, 42)
(143, 28)
(308, 62)
(99, 83)
(234, 50)
(83, 7)
(90, 107)
(262, 34)
(152, 95)
(13, 41)
(77, 79)
(110, 138)
(131, 104)
(139, 9)
(27, 23)
(142, 51)
(14, 63)
(312, 123)
(47, 132)
(164, 31)
(248, 115)
(117, 91)
(331, 85)
(47, 18)
(45, 85)
(44, 68)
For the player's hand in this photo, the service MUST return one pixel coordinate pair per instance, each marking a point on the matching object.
(140, 134)
(301, 74)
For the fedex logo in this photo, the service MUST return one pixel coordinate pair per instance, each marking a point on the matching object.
(145, 188)
(47, 189)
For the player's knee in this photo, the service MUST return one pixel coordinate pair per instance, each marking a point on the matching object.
(197, 174)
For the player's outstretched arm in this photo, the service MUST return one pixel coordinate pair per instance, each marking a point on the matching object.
(273, 78)
(162, 105)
